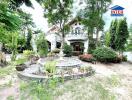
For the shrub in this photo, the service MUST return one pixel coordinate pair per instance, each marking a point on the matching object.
(42, 46)
(56, 50)
(124, 58)
(67, 50)
(50, 66)
(87, 57)
(27, 53)
(104, 54)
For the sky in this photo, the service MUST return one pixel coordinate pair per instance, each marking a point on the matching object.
(41, 22)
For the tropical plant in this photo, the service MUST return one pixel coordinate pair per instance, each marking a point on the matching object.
(50, 67)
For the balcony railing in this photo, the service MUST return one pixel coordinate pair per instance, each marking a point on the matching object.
(81, 36)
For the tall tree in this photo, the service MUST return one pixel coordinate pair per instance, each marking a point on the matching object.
(28, 41)
(129, 44)
(92, 15)
(121, 35)
(58, 12)
(112, 31)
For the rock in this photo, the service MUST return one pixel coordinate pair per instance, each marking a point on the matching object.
(21, 67)
(75, 70)
(2, 59)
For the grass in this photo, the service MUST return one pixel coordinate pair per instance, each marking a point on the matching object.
(102, 92)
(7, 70)
(10, 98)
(6, 85)
(37, 91)
(114, 80)
(11, 67)
(85, 89)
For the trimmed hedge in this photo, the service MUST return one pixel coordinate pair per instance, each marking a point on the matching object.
(104, 54)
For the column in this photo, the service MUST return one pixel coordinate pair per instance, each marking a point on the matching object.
(85, 46)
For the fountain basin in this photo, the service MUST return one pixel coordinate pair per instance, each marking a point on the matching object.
(67, 62)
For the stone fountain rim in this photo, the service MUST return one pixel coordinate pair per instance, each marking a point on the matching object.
(29, 76)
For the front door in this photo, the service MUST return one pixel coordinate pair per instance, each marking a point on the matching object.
(78, 46)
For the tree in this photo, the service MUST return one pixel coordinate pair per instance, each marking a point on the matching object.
(58, 12)
(112, 31)
(14, 45)
(107, 39)
(129, 44)
(10, 23)
(92, 15)
(121, 35)
(27, 22)
(28, 41)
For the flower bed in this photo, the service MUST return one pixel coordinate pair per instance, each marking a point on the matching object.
(87, 58)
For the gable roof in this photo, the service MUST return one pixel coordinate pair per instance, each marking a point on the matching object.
(55, 27)
(116, 7)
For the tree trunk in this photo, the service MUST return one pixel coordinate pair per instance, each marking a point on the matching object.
(97, 37)
(61, 49)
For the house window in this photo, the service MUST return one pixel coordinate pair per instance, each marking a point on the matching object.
(77, 30)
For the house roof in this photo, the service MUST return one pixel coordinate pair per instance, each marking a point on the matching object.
(116, 7)
(55, 27)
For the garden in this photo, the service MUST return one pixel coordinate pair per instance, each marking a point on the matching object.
(29, 70)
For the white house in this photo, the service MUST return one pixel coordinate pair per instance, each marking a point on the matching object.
(77, 37)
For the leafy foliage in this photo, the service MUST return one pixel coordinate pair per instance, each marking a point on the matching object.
(42, 45)
(39, 91)
(21, 43)
(28, 42)
(14, 46)
(10, 20)
(50, 66)
(121, 35)
(107, 39)
(104, 54)
(58, 12)
(118, 34)
(67, 49)
(112, 31)
(92, 17)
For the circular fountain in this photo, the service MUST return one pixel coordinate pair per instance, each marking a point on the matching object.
(68, 68)
(66, 62)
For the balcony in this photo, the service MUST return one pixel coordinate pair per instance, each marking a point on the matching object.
(81, 36)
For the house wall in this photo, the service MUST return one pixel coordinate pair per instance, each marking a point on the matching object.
(81, 37)
(52, 38)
